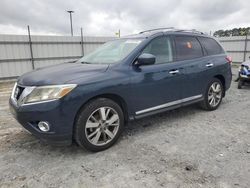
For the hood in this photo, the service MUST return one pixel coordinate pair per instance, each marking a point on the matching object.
(246, 63)
(60, 74)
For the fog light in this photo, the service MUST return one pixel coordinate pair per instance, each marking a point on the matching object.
(43, 126)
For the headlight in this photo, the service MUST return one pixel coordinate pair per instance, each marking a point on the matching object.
(45, 93)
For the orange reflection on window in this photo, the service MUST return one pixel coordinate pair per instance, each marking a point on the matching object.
(189, 45)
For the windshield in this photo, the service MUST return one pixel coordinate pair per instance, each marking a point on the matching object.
(111, 52)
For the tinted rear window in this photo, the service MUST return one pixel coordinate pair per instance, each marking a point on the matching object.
(210, 46)
(187, 47)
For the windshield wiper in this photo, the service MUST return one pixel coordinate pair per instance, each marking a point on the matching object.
(83, 62)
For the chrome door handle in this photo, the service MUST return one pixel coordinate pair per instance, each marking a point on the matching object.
(174, 72)
(209, 65)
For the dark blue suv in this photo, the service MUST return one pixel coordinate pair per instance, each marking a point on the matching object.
(125, 79)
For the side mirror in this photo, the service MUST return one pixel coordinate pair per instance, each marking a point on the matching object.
(145, 59)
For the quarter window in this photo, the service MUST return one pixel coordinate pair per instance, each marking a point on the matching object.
(211, 46)
(187, 47)
(161, 49)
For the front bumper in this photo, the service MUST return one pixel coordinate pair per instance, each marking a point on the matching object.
(29, 116)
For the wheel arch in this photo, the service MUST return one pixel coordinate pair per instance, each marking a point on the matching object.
(116, 98)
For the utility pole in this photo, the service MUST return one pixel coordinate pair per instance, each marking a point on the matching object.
(71, 25)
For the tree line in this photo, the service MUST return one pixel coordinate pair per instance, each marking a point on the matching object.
(242, 31)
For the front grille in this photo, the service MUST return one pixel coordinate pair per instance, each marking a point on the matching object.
(18, 92)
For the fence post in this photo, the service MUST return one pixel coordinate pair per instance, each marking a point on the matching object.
(245, 48)
(82, 42)
(31, 51)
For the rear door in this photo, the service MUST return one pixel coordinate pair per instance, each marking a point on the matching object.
(189, 52)
(156, 87)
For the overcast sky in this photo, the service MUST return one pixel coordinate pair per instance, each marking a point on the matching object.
(105, 17)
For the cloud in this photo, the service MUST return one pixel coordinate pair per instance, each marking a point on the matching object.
(99, 17)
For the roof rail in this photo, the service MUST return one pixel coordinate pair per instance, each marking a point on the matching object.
(157, 29)
(189, 30)
(172, 29)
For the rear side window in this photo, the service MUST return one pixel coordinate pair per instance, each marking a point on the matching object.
(210, 46)
(161, 48)
(187, 48)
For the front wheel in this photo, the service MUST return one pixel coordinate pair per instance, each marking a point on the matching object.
(99, 124)
(213, 95)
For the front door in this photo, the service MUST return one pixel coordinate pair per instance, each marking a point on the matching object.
(159, 86)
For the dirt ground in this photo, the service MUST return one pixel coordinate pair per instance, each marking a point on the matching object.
(187, 147)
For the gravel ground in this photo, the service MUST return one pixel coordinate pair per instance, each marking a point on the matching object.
(187, 147)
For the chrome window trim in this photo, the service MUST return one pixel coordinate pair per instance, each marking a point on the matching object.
(168, 104)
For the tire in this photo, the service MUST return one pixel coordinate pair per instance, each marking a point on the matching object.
(240, 84)
(207, 103)
(94, 129)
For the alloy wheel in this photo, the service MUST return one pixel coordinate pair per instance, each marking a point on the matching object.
(214, 94)
(102, 126)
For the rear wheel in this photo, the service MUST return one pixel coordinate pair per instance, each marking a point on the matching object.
(213, 95)
(99, 124)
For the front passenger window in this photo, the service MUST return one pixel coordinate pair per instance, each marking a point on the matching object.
(161, 49)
